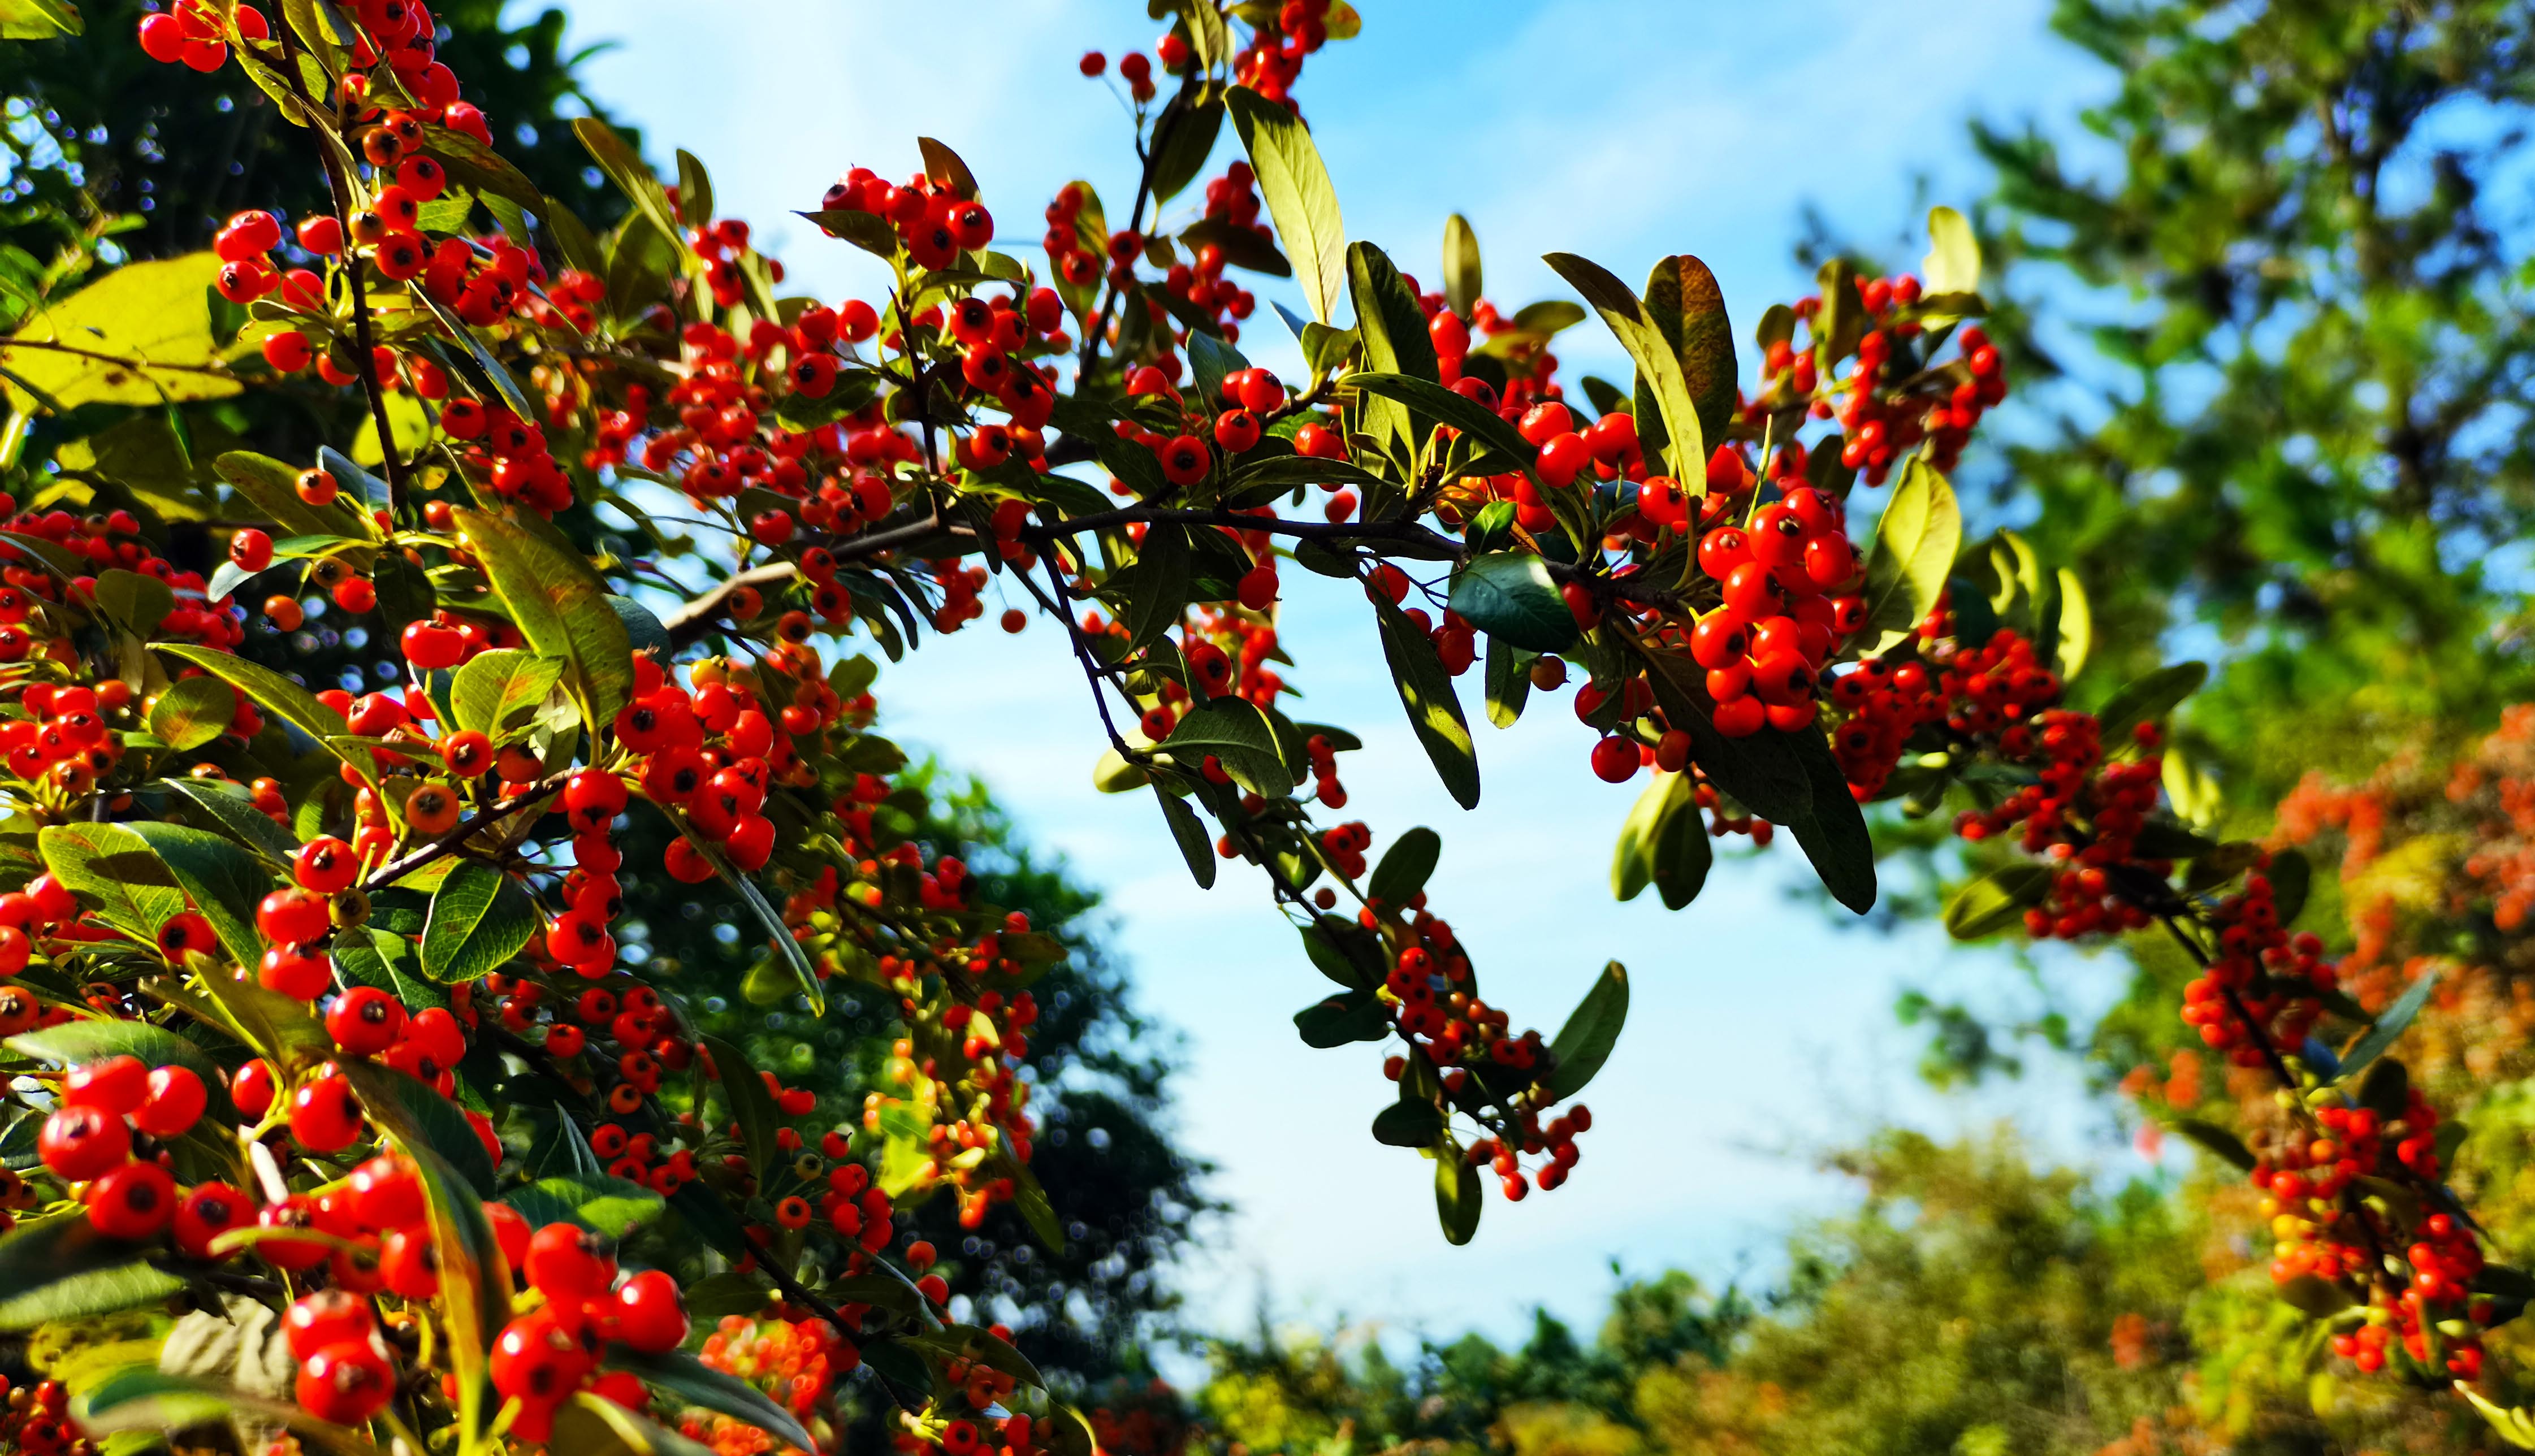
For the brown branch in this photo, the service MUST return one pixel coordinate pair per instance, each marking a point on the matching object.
(393, 462)
(466, 829)
(218, 371)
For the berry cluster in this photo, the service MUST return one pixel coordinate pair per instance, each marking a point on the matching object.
(89, 1139)
(541, 1357)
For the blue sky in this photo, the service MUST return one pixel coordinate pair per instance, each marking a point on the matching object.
(1620, 129)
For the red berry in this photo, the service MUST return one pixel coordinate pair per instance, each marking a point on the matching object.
(1615, 760)
(209, 1211)
(325, 865)
(79, 1143)
(133, 1201)
(176, 1102)
(365, 1021)
(346, 1383)
(650, 1314)
(117, 1085)
(1543, 423)
(324, 1115)
(566, 1261)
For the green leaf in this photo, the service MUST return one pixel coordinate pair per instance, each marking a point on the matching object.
(40, 19)
(475, 1280)
(2377, 1037)
(480, 918)
(281, 696)
(498, 694)
(1262, 481)
(115, 868)
(944, 165)
(1761, 772)
(480, 168)
(1457, 1195)
(2147, 699)
(231, 805)
(1508, 681)
(1996, 900)
(137, 602)
(1689, 311)
(1658, 363)
(1189, 833)
(697, 1384)
(1237, 735)
(143, 332)
(1427, 398)
(1832, 833)
(2077, 627)
(1584, 1043)
(1509, 594)
(751, 1105)
(590, 1424)
(1548, 317)
(1404, 868)
(2292, 876)
(2218, 1139)
(1633, 856)
(1351, 1016)
(1953, 261)
(560, 607)
(695, 190)
(728, 1293)
(2313, 1296)
(64, 566)
(1185, 149)
(144, 1398)
(62, 1268)
(1295, 185)
(627, 170)
(1393, 331)
(413, 1110)
(777, 933)
(1156, 585)
(224, 881)
(868, 231)
(1462, 284)
(1211, 362)
(612, 1206)
(1426, 691)
(1344, 952)
(1409, 1125)
(271, 487)
(1681, 854)
(1916, 540)
(193, 713)
(93, 1038)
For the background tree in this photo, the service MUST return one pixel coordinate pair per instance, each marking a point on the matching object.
(2291, 350)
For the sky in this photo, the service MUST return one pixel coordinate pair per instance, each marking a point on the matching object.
(1762, 1030)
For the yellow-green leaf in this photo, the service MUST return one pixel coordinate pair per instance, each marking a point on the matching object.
(1295, 184)
(1915, 543)
(113, 867)
(1659, 364)
(139, 335)
(1953, 262)
(283, 699)
(560, 607)
(40, 19)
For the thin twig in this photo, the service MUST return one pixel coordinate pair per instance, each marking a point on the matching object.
(466, 829)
